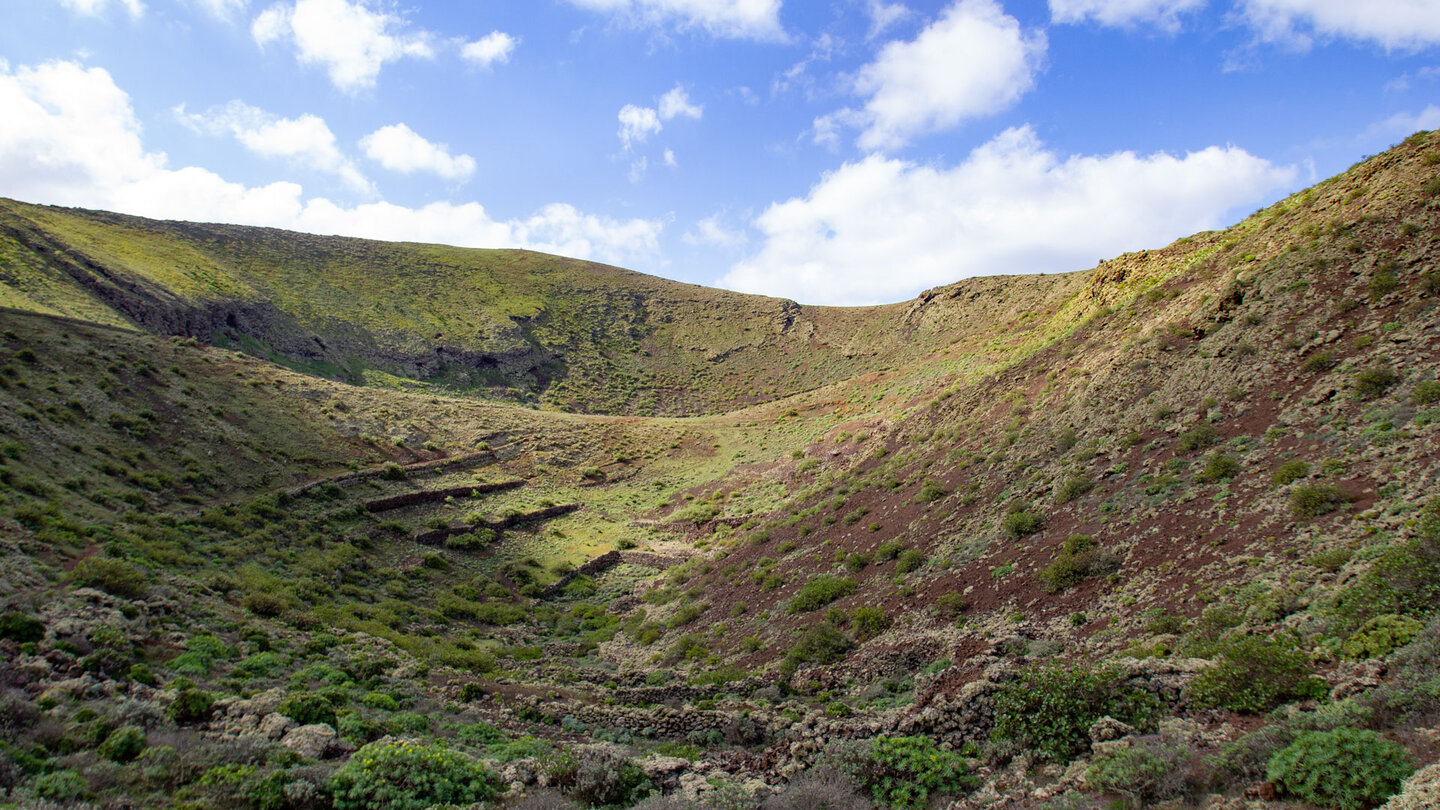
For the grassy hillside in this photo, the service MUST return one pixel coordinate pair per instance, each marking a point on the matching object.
(1182, 508)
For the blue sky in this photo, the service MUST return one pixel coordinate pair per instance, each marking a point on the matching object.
(837, 153)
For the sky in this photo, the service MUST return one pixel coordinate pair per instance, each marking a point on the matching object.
(838, 153)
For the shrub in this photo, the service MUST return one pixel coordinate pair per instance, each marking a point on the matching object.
(909, 560)
(599, 777)
(1370, 383)
(819, 592)
(123, 744)
(818, 789)
(308, 708)
(1218, 467)
(1426, 393)
(1197, 438)
(869, 622)
(62, 786)
(1309, 768)
(821, 644)
(1381, 636)
(1290, 472)
(1022, 523)
(1077, 561)
(1072, 488)
(1049, 708)
(391, 471)
(1319, 361)
(115, 577)
(932, 491)
(191, 706)
(21, 628)
(1147, 772)
(909, 771)
(952, 603)
(1253, 675)
(1314, 500)
(401, 775)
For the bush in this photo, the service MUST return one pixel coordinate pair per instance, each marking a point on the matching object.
(1049, 708)
(1147, 772)
(818, 789)
(1319, 361)
(869, 622)
(191, 706)
(1373, 382)
(1381, 636)
(124, 744)
(1197, 438)
(1072, 488)
(1022, 523)
(952, 603)
(1290, 472)
(308, 708)
(1403, 580)
(909, 771)
(115, 577)
(1078, 560)
(401, 775)
(599, 777)
(62, 786)
(819, 592)
(821, 644)
(1218, 467)
(20, 627)
(1309, 768)
(909, 560)
(1253, 675)
(1314, 500)
(932, 491)
(1425, 393)
(391, 471)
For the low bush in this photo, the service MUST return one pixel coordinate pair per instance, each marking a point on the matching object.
(1426, 392)
(868, 622)
(1022, 523)
(191, 706)
(599, 777)
(909, 560)
(308, 708)
(1290, 472)
(1254, 675)
(1149, 771)
(1381, 636)
(123, 744)
(1197, 438)
(1373, 382)
(823, 643)
(819, 592)
(115, 577)
(1310, 768)
(1218, 467)
(908, 772)
(401, 775)
(1049, 707)
(1073, 487)
(1077, 560)
(1314, 500)
(21, 628)
(818, 789)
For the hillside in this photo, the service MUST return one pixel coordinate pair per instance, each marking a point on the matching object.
(1163, 531)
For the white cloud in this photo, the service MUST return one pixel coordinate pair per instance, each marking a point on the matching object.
(1393, 24)
(638, 167)
(670, 158)
(94, 8)
(399, 149)
(493, 48)
(676, 102)
(883, 15)
(223, 9)
(1402, 125)
(637, 124)
(70, 137)
(711, 231)
(738, 19)
(883, 229)
(1164, 14)
(350, 40)
(972, 61)
(307, 141)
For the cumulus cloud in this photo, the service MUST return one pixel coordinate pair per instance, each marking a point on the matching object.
(352, 41)
(883, 229)
(971, 62)
(1163, 14)
(70, 137)
(676, 102)
(713, 231)
(736, 19)
(1395, 24)
(94, 8)
(399, 149)
(637, 124)
(491, 49)
(306, 141)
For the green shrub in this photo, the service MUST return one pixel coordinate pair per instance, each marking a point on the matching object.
(21, 628)
(1197, 438)
(1073, 487)
(113, 576)
(1218, 467)
(908, 772)
(308, 708)
(1381, 636)
(698, 513)
(1373, 382)
(1310, 768)
(1290, 472)
(62, 786)
(1145, 773)
(820, 644)
(868, 622)
(952, 603)
(1022, 523)
(191, 706)
(1314, 500)
(1078, 560)
(909, 560)
(391, 471)
(819, 592)
(1049, 707)
(1254, 675)
(932, 491)
(1426, 393)
(599, 777)
(401, 775)
(123, 744)
(1319, 361)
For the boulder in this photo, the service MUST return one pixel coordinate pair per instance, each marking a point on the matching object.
(315, 741)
